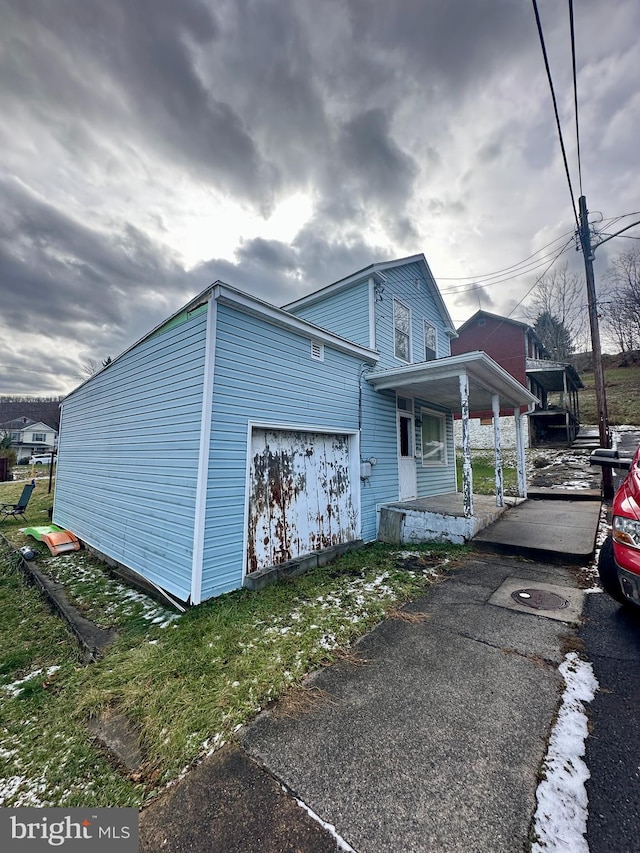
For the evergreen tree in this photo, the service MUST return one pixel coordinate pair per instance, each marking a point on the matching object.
(554, 335)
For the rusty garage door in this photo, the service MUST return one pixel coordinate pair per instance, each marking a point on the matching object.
(300, 495)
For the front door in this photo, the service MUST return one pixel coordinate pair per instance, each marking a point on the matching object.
(407, 486)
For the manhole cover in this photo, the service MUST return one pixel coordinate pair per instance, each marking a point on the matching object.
(539, 599)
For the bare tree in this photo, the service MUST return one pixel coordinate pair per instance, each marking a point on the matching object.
(561, 295)
(620, 300)
(90, 367)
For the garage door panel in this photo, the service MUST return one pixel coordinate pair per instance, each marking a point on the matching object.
(300, 495)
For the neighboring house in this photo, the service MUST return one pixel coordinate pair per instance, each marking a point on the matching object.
(238, 436)
(29, 437)
(516, 346)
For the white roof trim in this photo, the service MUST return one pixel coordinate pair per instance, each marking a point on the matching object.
(250, 304)
(486, 374)
(279, 317)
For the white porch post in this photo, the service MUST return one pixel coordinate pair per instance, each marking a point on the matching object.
(467, 474)
(521, 462)
(495, 405)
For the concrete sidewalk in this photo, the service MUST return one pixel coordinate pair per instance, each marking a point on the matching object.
(431, 741)
(560, 528)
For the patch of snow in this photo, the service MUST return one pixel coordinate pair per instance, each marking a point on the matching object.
(15, 688)
(560, 821)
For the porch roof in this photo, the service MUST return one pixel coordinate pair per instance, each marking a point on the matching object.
(550, 374)
(438, 382)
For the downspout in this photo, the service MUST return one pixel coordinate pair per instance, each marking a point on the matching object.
(364, 368)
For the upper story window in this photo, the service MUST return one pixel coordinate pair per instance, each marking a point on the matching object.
(39, 436)
(402, 331)
(430, 344)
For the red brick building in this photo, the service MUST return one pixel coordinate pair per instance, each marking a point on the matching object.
(517, 348)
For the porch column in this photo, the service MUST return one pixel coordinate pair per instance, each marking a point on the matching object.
(520, 457)
(467, 474)
(495, 405)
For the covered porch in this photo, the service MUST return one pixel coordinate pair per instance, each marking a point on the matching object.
(557, 419)
(462, 383)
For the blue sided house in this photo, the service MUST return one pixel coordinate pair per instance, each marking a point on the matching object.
(237, 436)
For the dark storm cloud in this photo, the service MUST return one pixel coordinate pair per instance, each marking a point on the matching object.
(280, 273)
(406, 120)
(373, 159)
(130, 66)
(446, 44)
(68, 275)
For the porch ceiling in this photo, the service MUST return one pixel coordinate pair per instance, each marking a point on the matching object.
(553, 375)
(438, 382)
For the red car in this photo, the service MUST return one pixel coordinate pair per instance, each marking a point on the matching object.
(619, 561)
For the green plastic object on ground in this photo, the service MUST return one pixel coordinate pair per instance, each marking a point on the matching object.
(38, 532)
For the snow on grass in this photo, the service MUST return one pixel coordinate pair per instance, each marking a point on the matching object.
(16, 687)
(560, 821)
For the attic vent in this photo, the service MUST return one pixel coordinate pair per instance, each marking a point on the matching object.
(317, 351)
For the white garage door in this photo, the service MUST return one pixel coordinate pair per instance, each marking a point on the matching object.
(300, 496)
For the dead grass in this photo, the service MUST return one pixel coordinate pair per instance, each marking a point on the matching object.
(301, 700)
(407, 616)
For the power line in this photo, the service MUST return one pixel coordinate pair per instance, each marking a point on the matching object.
(473, 286)
(478, 276)
(535, 284)
(575, 91)
(555, 109)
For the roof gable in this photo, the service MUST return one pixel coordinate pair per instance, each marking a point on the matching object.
(377, 271)
(488, 316)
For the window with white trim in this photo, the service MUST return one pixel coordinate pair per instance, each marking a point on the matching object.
(430, 341)
(433, 432)
(38, 436)
(401, 331)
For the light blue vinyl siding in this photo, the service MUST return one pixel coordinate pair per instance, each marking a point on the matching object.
(378, 440)
(128, 457)
(345, 313)
(265, 374)
(407, 284)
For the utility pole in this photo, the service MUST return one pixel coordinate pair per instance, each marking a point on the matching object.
(598, 370)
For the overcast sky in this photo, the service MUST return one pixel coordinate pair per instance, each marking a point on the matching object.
(151, 147)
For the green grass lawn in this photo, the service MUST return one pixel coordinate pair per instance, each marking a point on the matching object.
(622, 389)
(484, 474)
(186, 682)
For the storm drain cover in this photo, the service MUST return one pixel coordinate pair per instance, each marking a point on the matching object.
(539, 599)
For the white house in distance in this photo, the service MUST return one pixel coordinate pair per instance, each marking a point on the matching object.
(29, 437)
(238, 436)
